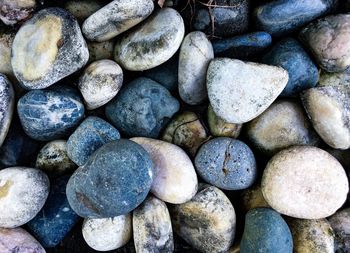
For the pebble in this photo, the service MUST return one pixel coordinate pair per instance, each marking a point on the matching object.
(108, 233)
(266, 230)
(334, 79)
(304, 182)
(152, 43)
(6, 40)
(89, 136)
(82, 9)
(23, 192)
(50, 114)
(58, 49)
(340, 222)
(195, 54)
(152, 227)
(240, 91)
(16, 11)
(175, 180)
(253, 198)
(114, 181)
(100, 50)
(7, 101)
(142, 108)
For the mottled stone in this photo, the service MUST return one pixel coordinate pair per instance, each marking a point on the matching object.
(82, 9)
(334, 79)
(100, 50)
(16, 11)
(340, 222)
(152, 43)
(53, 46)
(23, 192)
(304, 182)
(7, 101)
(253, 198)
(142, 108)
(240, 91)
(6, 40)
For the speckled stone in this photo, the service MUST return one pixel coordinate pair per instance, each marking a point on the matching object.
(100, 50)
(23, 192)
(152, 43)
(82, 9)
(240, 91)
(340, 222)
(304, 182)
(266, 230)
(6, 40)
(58, 49)
(16, 11)
(7, 101)
(175, 180)
(50, 114)
(89, 136)
(152, 227)
(334, 79)
(253, 198)
(142, 108)
(114, 181)
(56, 218)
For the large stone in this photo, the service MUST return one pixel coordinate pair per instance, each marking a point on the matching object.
(7, 101)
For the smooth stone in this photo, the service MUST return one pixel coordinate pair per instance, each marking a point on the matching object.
(175, 179)
(54, 160)
(152, 227)
(18, 240)
(53, 46)
(266, 230)
(290, 55)
(328, 109)
(334, 79)
(195, 54)
(115, 18)
(240, 91)
(284, 16)
(152, 43)
(329, 41)
(226, 163)
(100, 82)
(89, 136)
(304, 182)
(282, 125)
(16, 11)
(100, 50)
(114, 181)
(50, 114)
(56, 218)
(82, 9)
(207, 222)
(108, 233)
(7, 102)
(142, 108)
(23, 193)
(340, 222)
(6, 40)
(253, 198)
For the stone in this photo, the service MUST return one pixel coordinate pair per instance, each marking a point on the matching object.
(304, 182)
(266, 230)
(89, 136)
(340, 222)
(82, 9)
(253, 198)
(115, 18)
(334, 79)
(16, 11)
(23, 193)
(6, 40)
(329, 41)
(329, 111)
(56, 218)
(53, 46)
(114, 181)
(282, 125)
(152, 43)
(100, 50)
(7, 102)
(152, 227)
(142, 108)
(50, 114)
(175, 180)
(240, 91)
(195, 54)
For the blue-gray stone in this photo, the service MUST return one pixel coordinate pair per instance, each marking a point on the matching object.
(50, 114)
(290, 55)
(56, 218)
(114, 181)
(226, 163)
(90, 135)
(265, 231)
(142, 108)
(7, 101)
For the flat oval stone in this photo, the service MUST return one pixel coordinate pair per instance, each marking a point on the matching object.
(115, 18)
(50, 114)
(142, 108)
(6, 40)
(82, 9)
(53, 46)
(108, 233)
(175, 180)
(152, 43)
(7, 101)
(16, 11)
(340, 222)
(240, 91)
(114, 181)
(152, 227)
(253, 198)
(304, 182)
(100, 50)
(266, 230)
(195, 54)
(23, 192)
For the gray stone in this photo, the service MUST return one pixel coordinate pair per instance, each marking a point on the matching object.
(7, 101)
(16, 11)
(340, 222)
(82, 9)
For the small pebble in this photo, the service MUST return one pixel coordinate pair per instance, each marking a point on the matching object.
(6, 40)
(340, 222)
(253, 198)
(100, 50)
(334, 79)
(7, 101)
(82, 9)
(16, 11)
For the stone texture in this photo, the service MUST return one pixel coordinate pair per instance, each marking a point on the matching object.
(100, 50)
(82, 9)
(253, 198)
(7, 101)
(6, 40)
(334, 79)
(340, 222)
(16, 11)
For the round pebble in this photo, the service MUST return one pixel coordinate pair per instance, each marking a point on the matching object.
(16, 11)
(340, 222)
(7, 101)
